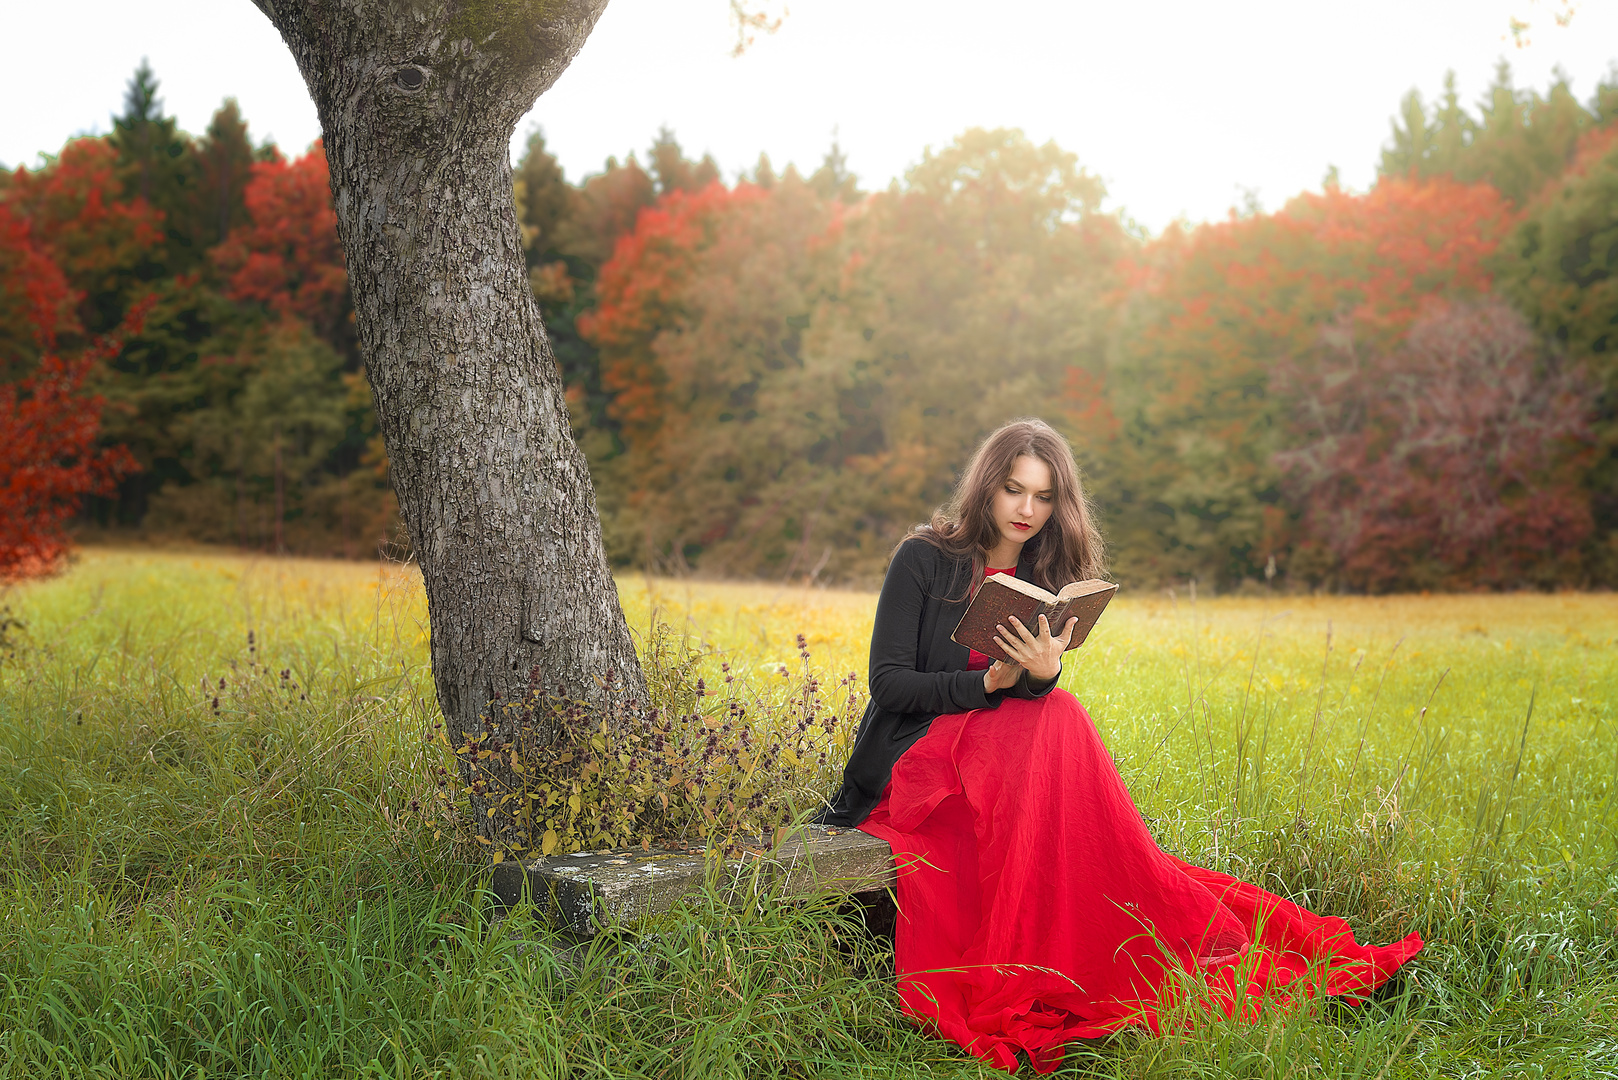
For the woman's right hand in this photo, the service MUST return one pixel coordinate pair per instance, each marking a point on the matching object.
(1000, 676)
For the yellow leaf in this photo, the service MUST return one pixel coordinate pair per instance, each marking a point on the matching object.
(548, 843)
(492, 809)
(499, 856)
(574, 804)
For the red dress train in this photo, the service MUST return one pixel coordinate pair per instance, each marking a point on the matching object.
(1035, 907)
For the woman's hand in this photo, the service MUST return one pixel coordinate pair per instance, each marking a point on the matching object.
(1041, 655)
(1000, 675)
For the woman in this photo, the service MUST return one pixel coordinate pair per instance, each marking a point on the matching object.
(1035, 907)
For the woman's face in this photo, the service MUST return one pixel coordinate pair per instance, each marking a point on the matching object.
(1022, 505)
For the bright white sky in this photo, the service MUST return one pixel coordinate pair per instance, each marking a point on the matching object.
(1180, 105)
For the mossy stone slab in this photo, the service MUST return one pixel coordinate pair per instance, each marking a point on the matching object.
(585, 892)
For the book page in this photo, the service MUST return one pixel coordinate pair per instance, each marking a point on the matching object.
(1084, 588)
(1016, 584)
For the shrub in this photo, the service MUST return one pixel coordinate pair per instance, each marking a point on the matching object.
(726, 767)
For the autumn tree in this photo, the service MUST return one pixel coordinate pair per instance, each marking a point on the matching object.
(569, 232)
(797, 380)
(36, 301)
(48, 422)
(418, 104)
(285, 256)
(1451, 459)
(101, 235)
(725, 410)
(1191, 488)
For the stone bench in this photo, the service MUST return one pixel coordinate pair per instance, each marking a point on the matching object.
(586, 892)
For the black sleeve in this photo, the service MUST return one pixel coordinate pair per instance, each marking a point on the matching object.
(895, 683)
(1029, 687)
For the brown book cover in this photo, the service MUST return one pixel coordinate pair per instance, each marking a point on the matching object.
(1001, 596)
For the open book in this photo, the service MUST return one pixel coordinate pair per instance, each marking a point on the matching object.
(1002, 596)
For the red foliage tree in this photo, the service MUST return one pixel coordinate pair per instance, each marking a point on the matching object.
(288, 258)
(48, 424)
(1450, 460)
(34, 294)
(1214, 311)
(76, 212)
(642, 296)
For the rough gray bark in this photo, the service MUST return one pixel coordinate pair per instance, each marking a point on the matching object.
(418, 100)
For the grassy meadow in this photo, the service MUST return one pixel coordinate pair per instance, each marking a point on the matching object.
(217, 852)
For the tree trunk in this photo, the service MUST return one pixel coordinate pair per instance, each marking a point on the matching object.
(418, 101)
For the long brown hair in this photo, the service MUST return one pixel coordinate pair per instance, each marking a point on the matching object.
(1067, 549)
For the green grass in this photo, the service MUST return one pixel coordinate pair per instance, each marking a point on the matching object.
(247, 890)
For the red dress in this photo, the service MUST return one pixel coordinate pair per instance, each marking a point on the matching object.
(1035, 907)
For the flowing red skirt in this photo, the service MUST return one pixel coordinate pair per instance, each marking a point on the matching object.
(1035, 907)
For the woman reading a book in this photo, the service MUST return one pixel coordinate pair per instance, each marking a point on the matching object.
(1035, 907)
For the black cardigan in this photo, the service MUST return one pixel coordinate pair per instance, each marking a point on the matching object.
(917, 672)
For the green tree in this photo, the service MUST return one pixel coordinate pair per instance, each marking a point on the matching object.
(833, 180)
(981, 286)
(225, 165)
(1561, 268)
(158, 163)
(674, 171)
(277, 410)
(1519, 141)
(171, 370)
(1429, 144)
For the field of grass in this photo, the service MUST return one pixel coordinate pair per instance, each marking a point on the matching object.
(215, 861)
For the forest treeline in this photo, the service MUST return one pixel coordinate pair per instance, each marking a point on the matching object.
(1412, 387)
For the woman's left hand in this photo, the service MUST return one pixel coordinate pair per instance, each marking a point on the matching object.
(1040, 654)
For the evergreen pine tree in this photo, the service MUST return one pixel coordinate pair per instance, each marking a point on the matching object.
(138, 133)
(158, 163)
(676, 172)
(833, 180)
(225, 159)
(1604, 102)
(1453, 129)
(1518, 142)
(545, 202)
(1411, 140)
(764, 172)
(610, 202)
